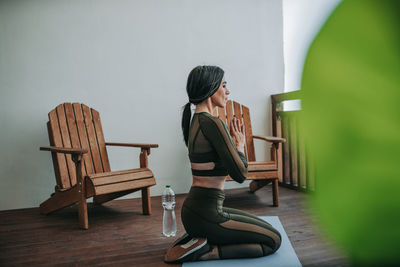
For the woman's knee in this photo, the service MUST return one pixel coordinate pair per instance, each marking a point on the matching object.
(271, 245)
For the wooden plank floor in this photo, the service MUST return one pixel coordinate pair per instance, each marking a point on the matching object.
(119, 235)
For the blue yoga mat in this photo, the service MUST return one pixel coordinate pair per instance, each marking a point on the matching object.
(284, 257)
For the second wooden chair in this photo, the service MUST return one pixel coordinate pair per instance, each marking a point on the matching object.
(261, 173)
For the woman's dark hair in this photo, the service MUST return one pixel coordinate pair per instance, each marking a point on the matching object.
(203, 82)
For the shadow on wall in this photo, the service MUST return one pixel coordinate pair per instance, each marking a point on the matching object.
(25, 169)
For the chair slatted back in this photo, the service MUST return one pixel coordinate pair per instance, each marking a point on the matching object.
(234, 109)
(77, 126)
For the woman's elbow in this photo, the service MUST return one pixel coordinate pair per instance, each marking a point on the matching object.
(241, 180)
(241, 177)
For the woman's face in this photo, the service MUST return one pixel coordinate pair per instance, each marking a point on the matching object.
(220, 97)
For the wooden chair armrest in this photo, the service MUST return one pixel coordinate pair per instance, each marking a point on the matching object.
(132, 145)
(272, 139)
(73, 151)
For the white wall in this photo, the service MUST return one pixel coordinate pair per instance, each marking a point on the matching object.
(302, 20)
(129, 60)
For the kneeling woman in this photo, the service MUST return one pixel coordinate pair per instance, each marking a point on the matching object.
(212, 231)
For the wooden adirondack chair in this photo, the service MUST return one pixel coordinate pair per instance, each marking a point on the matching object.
(262, 173)
(81, 163)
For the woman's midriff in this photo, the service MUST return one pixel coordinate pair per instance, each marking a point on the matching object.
(216, 182)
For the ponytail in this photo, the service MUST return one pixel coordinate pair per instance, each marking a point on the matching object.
(186, 115)
(203, 82)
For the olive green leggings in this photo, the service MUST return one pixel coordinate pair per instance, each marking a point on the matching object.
(236, 233)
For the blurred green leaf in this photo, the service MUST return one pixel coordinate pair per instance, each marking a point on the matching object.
(351, 119)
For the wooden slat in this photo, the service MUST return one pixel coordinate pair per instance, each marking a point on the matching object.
(249, 134)
(87, 158)
(261, 162)
(110, 188)
(262, 167)
(89, 187)
(302, 162)
(286, 150)
(104, 174)
(62, 121)
(229, 113)
(274, 116)
(262, 175)
(271, 139)
(236, 109)
(104, 198)
(293, 95)
(221, 114)
(73, 131)
(238, 114)
(54, 157)
(122, 178)
(64, 181)
(277, 131)
(91, 134)
(293, 150)
(258, 175)
(100, 139)
(280, 147)
(140, 145)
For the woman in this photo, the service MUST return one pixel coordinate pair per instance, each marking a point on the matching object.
(215, 232)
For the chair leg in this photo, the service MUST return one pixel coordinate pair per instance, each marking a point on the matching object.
(82, 205)
(146, 202)
(257, 184)
(82, 212)
(275, 192)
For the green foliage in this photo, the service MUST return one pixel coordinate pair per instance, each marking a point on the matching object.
(352, 122)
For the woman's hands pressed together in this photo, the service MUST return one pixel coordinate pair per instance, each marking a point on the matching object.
(237, 133)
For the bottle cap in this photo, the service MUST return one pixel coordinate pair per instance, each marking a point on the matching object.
(167, 186)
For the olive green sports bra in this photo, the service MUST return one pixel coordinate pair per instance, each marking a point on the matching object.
(210, 141)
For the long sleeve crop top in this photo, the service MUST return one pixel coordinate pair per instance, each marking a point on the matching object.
(210, 141)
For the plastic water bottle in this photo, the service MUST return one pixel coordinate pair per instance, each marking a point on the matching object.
(169, 219)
